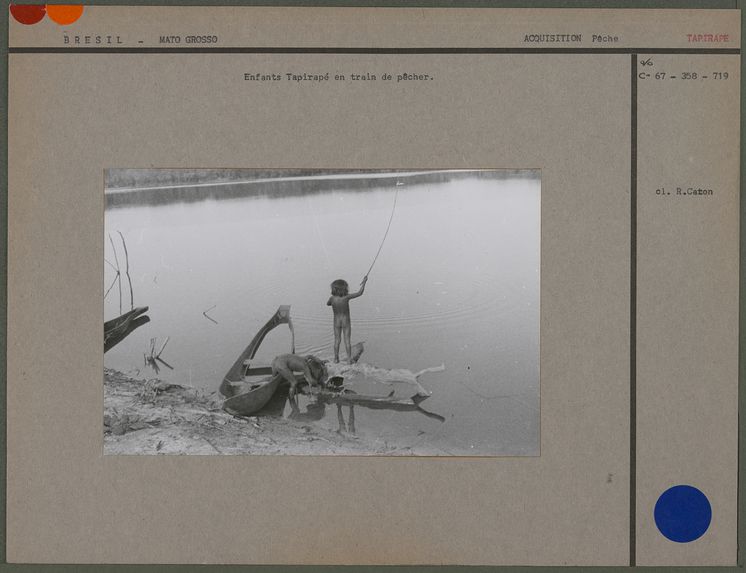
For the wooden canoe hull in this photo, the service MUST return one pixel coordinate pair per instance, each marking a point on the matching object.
(238, 371)
(251, 402)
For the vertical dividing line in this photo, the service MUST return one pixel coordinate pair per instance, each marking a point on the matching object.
(633, 322)
(740, 545)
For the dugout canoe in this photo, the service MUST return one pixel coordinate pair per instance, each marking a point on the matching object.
(245, 397)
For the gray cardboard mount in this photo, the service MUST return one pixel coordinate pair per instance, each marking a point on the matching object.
(639, 320)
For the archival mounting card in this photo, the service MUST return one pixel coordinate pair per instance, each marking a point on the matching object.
(377, 286)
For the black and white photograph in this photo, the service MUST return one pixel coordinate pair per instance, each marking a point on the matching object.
(321, 312)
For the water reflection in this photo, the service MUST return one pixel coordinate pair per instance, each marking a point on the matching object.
(153, 359)
(308, 407)
(350, 419)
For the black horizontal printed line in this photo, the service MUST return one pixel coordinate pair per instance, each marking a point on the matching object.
(404, 51)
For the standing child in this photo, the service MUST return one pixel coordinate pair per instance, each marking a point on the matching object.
(340, 303)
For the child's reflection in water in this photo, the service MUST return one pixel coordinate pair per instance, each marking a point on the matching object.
(350, 420)
(316, 410)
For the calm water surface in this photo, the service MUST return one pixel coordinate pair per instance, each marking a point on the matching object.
(457, 283)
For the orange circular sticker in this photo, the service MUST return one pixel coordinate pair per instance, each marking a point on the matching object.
(64, 14)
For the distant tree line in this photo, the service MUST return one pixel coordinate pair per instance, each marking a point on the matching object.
(179, 186)
(128, 178)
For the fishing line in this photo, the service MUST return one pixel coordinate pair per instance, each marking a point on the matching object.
(391, 218)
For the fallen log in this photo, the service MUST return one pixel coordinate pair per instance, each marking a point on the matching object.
(119, 328)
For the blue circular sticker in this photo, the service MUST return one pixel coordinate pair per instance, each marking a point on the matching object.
(683, 513)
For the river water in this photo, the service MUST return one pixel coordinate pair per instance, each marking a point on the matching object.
(456, 284)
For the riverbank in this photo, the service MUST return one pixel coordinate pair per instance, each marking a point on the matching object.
(153, 417)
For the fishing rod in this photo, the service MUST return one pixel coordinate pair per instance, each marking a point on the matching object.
(391, 218)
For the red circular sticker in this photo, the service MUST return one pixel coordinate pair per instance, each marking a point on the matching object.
(28, 13)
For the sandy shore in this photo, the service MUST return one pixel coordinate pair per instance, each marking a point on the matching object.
(152, 417)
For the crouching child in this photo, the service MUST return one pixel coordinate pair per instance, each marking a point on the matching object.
(313, 369)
